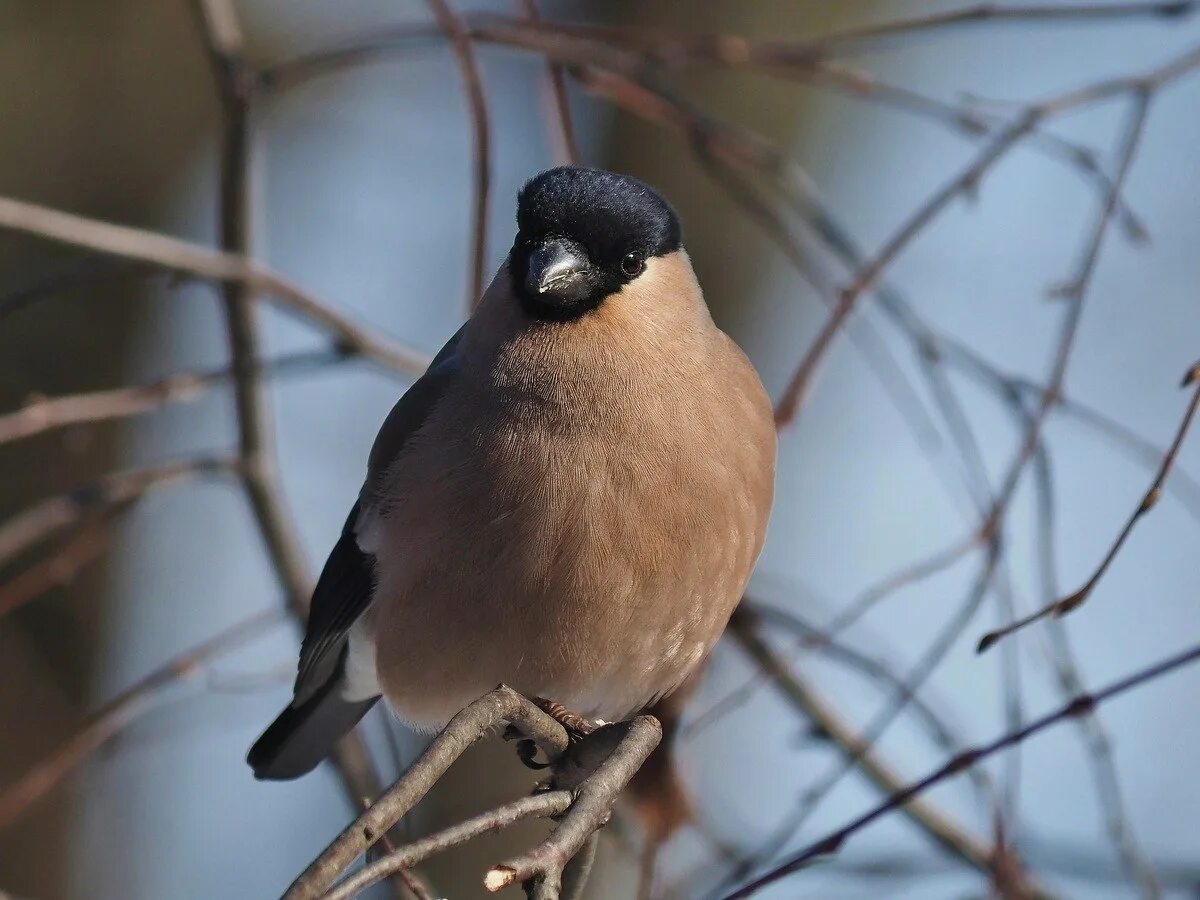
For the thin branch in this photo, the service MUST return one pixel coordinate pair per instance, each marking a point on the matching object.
(460, 41)
(61, 511)
(1078, 706)
(930, 819)
(919, 673)
(1097, 744)
(57, 570)
(543, 805)
(590, 809)
(909, 575)
(42, 414)
(1074, 600)
(235, 84)
(556, 83)
(501, 705)
(872, 666)
(966, 182)
(121, 712)
(999, 12)
(190, 260)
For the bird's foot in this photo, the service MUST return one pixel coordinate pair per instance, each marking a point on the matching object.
(576, 726)
(527, 750)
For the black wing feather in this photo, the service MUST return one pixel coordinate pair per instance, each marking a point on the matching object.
(347, 583)
(343, 593)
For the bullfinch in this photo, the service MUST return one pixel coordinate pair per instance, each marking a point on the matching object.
(569, 501)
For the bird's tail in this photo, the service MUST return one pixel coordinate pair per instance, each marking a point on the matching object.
(301, 736)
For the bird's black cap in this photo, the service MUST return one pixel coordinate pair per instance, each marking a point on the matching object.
(583, 234)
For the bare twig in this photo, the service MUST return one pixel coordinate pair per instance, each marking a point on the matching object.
(56, 570)
(904, 577)
(464, 729)
(592, 804)
(1076, 599)
(967, 181)
(1070, 682)
(57, 513)
(460, 41)
(120, 713)
(1000, 12)
(189, 260)
(1078, 706)
(557, 84)
(235, 84)
(41, 414)
(924, 814)
(544, 805)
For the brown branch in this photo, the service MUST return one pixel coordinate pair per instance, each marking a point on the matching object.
(967, 181)
(256, 444)
(590, 808)
(1078, 706)
(457, 33)
(120, 713)
(1095, 737)
(1073, 601)
(42, 414)
(911, 682)
(905, 577)
(115, 490)
(501, 705)
(57, 570)
(872, 666)
(1077, 157)
(170, 254)
(568, 149)
(543, 805)
(998, 12)
(923, 813)
(235, 85)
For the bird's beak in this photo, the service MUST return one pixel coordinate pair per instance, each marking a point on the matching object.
(556, 270)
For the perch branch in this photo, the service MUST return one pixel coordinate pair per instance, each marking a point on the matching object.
(590, 808)
(501, 705)
(544, 805)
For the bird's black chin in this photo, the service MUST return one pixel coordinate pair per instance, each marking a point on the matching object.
(557, 310)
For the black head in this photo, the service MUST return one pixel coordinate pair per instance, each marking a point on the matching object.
(583, 234)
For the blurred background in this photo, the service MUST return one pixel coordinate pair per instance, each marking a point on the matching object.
(363, 193)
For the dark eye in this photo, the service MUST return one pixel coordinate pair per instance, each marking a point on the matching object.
(632, 264)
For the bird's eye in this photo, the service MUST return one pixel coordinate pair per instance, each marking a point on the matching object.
(632, 264)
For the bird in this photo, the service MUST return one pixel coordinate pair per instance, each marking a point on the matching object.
(569, 501)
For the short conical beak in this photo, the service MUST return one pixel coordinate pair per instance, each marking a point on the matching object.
(555, 267)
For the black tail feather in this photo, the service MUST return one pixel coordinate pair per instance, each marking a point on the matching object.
(301, 736)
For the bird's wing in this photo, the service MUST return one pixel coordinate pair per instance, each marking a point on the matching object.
(347, 582)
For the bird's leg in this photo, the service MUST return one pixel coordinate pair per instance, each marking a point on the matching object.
(577, 726)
